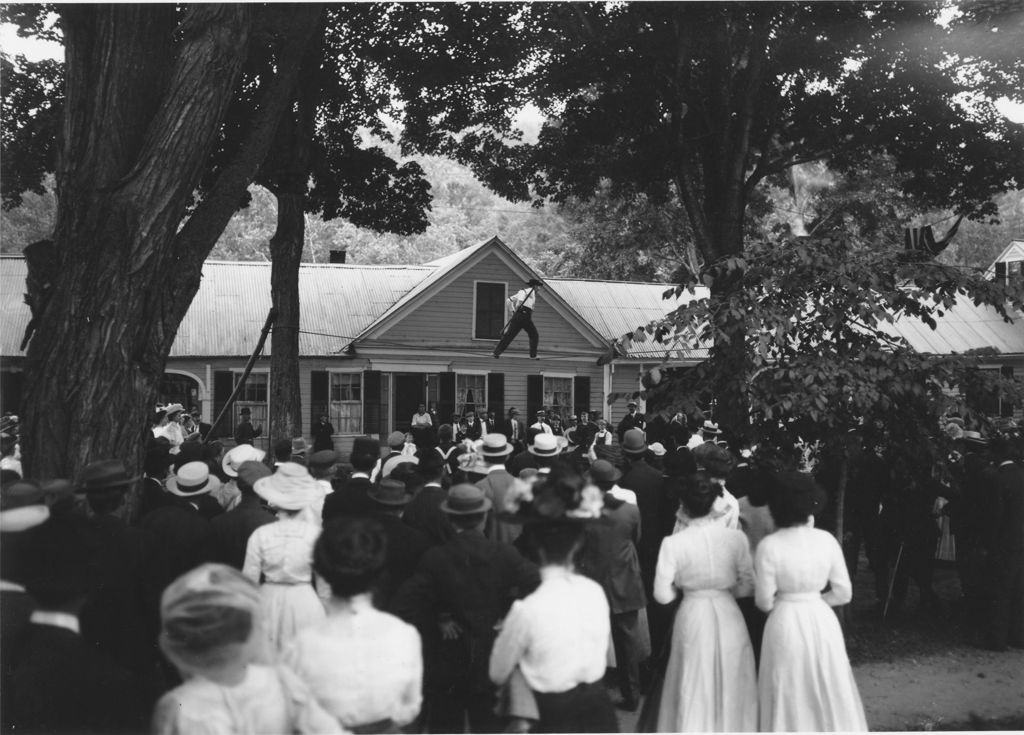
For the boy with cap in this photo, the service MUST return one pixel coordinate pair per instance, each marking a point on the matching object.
(459, 593)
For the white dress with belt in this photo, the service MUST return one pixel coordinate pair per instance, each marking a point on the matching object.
(805, 680)
(282, 554)
(710, 682)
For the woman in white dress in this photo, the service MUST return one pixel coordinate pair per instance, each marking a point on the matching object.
(280, 555)
(710, 683)
(210, 630)
(805, 680)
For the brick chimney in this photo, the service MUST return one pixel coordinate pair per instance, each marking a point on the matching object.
(338, 256)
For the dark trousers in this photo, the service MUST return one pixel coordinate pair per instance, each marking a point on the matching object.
(447, 711)
(755, 620)
(522, 319)
(627, 658)
(1006, 609)
(584, 708)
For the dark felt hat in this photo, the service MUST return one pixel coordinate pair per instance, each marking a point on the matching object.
(633, 442)
(324, 458)
(465, 499)
(604, 471)
(391, 493)
(366, 444)
(105, 474)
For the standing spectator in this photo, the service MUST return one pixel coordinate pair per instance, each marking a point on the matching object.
(459, 593)
(422, 426)
(648, 484)
(556, 424)
(557, 638)
(351, 497)
(210, 631)
(230, 531)
(585, 430)
(803, 643)
(632, 420)
(496, 485)
(10, 455)
(678, 433)
(602, 437)
(473, 430)
(514, 430)
(541, 424)
(609, 557)
(710, 684)
(199, 425)
(245, 432)
(486, 423)
(61, 682)
(363, 665)
(323, 434)
(169, 425)
(1006, 617)
(424, 511)
(280, 555)
(405, 545)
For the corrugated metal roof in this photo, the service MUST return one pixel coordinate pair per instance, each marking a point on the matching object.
(338, 302)
(964, 327)
(617, 307)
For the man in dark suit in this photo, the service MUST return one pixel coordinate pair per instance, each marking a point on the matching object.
(458, 594)
(61, 682)
(495, 450)
(245, 432)
(1006, 564)
(632, 420)
(352, 498)
(474, 429)
(406, 545)
(230, 532)
(424, 510)
(198, 425)
(514, 430)
(647, 483)
(120, 616)
(609, 557)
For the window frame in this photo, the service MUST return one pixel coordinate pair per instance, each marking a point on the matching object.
(460, 408)
(545, 376)
(504, 285)
(331, 372)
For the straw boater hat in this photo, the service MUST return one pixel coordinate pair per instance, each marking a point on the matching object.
(242, 453)
(290, 488)
(710, 427)
(657, 449)
(172, 408)
(392, 463)
(973, 437)
(193, 479)
(495, 445)
(544, 445)
(464, 500)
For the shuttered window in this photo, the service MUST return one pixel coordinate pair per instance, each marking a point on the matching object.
(489, 310)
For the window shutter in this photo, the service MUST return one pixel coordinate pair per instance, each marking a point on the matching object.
(11, 387)
(319, 395)
(445, 397)
(1001, 272)
(223, 384)
(581, 394)
(371, 402)
(534, 397)
(496, 394)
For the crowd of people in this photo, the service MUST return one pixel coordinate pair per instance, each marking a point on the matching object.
(483, 576)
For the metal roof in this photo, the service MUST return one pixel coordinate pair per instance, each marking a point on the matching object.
(338, 302)
(617, 307)
(966, 326)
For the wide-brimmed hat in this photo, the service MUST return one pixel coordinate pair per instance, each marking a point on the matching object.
(657, 449)
(22, 506)
(242, 453)
(172, 408)
(105, 474)
(192, 478)
(291, 487)
(465, 499)
(710, 427)
(717, 460)
(801, 489)
(544, 445)
(495, 445)
(604, 471)
(633, 442)
(299, 445)
(473, 462)
(550, 500)
(973, 437)
(389, 492)
(323, 459)
(251, 471)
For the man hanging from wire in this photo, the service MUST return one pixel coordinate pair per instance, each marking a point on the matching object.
(519, 316)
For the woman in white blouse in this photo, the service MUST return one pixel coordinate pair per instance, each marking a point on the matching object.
(280, 555)
(363, 665)
(805, 680)
(710, 683)
(559, 635)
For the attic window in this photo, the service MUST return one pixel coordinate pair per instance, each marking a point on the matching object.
(1010, 272)
(489, 310)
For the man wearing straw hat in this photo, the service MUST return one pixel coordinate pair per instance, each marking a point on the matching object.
(495, 450)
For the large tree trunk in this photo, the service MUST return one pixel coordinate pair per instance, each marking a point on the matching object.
(145, 100)
(286, 255)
